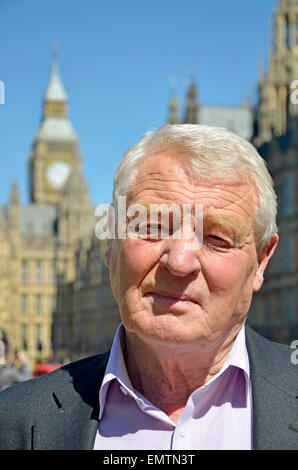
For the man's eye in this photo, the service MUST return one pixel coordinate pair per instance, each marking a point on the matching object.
(154, 230)
(216, 241)
(147, 231)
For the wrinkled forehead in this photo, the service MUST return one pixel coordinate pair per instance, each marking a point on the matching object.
(167, 168)
(169, 214)
(168, 181)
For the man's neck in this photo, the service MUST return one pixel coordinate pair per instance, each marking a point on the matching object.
(168, 375)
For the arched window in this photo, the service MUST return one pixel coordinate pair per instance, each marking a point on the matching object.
(24, 303)
(284, 197)
(288, 40)
(24, 336)
(53, 275)
(25, 272)
(38, 303)
(38, 272)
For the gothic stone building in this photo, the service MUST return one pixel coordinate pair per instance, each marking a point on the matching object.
(274, 310)
(44, 245)
(238, 119)
(275, 84)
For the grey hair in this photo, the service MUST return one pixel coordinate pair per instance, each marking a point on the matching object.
(213, 152)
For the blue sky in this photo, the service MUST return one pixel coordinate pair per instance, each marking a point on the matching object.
(117, 61)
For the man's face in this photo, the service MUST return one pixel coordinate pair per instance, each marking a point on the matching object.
(169, 293)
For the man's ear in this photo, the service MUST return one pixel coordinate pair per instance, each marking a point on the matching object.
(263, 259)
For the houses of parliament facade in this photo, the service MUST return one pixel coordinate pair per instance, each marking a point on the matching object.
(54, 290)
(55, 298)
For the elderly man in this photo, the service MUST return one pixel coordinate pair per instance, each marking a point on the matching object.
(184, 371)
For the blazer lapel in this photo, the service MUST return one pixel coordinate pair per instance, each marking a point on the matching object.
(275, 424)
(274, 384)
(72, 421)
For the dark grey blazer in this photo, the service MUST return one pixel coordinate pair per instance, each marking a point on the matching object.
(60, 410)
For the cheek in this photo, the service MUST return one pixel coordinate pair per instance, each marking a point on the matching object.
(228, 274)
(132, 262)
(223, 272)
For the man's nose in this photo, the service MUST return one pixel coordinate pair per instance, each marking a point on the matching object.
(181, 257)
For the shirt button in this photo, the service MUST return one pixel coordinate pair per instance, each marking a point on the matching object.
(123, 390)
(182, 432)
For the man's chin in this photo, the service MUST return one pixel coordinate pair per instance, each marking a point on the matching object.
(166, 329)
(163, 305)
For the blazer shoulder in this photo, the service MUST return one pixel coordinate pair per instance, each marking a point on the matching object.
(273, 361)
(76, 368)
(29, 395)
(32, 401)
(260, 341)
(27, 391)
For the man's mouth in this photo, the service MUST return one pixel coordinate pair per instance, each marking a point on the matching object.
(171, 297)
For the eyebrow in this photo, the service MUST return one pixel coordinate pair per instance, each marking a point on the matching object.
(237, 231)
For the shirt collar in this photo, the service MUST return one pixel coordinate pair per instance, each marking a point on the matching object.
(116, 367)
(238, 356)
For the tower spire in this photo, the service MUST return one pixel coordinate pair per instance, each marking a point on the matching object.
(55, 101)
(50, 164)
(54, 50)
(192, 106)
(174, 117)
(14, 208)
(14, 194)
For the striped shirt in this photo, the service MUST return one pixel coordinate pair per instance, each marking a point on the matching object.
(218, 415)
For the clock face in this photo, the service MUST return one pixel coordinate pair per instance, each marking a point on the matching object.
(57, 174)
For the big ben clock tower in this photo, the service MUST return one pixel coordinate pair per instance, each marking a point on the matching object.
(55, 151)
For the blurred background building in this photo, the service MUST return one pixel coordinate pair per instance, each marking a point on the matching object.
(238, 119)
(274, 310)
(56, 301)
